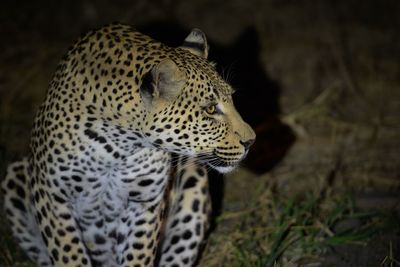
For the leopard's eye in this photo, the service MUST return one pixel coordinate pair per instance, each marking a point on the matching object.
(211, 109)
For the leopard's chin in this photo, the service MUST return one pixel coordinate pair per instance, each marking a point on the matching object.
(224, 169)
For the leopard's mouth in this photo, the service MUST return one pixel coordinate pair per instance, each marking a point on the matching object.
(221, 163)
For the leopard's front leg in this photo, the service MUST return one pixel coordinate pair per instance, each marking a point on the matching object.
(59, 230)
(188, 215)
(138, 234)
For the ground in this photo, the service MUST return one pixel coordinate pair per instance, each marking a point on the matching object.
(321, 186)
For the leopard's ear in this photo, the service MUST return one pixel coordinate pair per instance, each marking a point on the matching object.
(196, 43)
(165, 81)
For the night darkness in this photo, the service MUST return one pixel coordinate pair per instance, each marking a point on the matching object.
(317, 80)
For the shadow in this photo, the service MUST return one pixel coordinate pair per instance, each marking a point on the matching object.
(256, 98)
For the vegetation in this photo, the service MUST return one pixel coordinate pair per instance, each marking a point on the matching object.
(295, 231)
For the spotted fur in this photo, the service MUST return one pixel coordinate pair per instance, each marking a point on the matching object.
(120, 147)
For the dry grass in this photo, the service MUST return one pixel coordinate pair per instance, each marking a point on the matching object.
(277, 230)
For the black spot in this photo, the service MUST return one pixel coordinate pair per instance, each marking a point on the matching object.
(34, 250)
(21, 177)
(146, 182)
(112, 234)
(18, 204)
(137, 246)
(70, 228)
(78, 189)
(61, 232)
(129, 257)
(179, 250)
(65, 216)
(11, 184)
(99, 223)
(101, 140)
(158, 142)
(98, 239)
(200, 171)
(54, 253)
(65, 259)
(64, 168)
(175, 239)
(134, 193)
(193, 245)
(120, 238)
(108, 148)
(48, 231)
(9, 212)
(187, 235)
(195, 205)
(90, 133)
(58, 199)
(51, 143)
(174, 223)
(20, 192)
(198, 228)
(76, 178)
(187, 218)
(45, 240)
(139, 234)
(18, 168)
(167, 249)
(191, 182)
(169, 259)
(140, 222)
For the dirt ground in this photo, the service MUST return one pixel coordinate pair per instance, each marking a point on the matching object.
(318, 80)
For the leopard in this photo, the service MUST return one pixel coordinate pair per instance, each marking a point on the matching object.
(120, 149)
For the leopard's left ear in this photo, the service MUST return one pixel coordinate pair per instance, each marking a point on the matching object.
(196, 43)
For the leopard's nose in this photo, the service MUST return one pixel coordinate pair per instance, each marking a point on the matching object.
(247, 143)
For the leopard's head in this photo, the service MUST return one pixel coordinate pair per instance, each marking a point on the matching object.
(190, 111)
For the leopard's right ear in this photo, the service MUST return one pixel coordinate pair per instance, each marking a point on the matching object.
(163, 82)
(196, 43)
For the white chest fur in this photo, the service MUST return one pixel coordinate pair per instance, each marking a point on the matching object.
(140, 178)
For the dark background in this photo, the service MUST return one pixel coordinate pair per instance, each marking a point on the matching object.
(318, 80)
